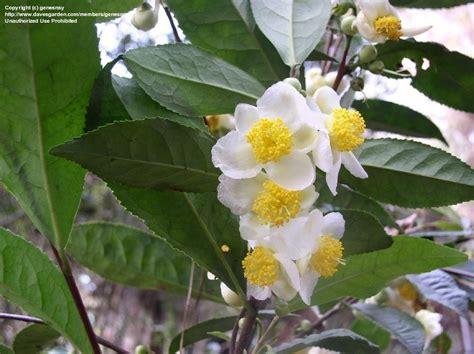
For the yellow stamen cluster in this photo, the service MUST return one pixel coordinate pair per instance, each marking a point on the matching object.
(346, 129)
(389, 27)
(276, 205)
(261, 267)
(270, 140)
(328, 256)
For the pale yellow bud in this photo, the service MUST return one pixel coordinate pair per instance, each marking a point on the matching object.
(145, 18)
(230, 297)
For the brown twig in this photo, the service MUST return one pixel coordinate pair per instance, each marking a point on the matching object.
(235, 331)
(173, 26)
(247, 329)
(342, 66)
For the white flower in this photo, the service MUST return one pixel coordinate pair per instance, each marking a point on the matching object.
(345, 129)
(230, 297)
(265, 201)
(276, 136)
(377, 21)
(431, 323)
(318, 350)
(315, 80)
(268, 272)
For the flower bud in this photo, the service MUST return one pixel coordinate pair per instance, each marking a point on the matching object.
(230, 297)
(142, 350)
(367, 54)
(281, 308)
(293, 82)
(241, 323)
(347, 25)
(342, 7)
(305, 325)
(145, 18)
(357, 84)
(376, 67)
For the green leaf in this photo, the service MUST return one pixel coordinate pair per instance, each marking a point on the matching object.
(394, 118)
(440, 287)
(114, 6)
(442, 343)
(294, 27)
(30, 280)
(448, 80)
(150, 154)
(405, 328)
(190, 81)
(319, 56)
(363, 233)
(47, 72)
(133, 257)
(430, 3)
(220, 335)
(34, 339)
(227, 30)
(5, 350)
(411, 174)
(340, 340)
(366, 274)
(372, 332)
(196, 224)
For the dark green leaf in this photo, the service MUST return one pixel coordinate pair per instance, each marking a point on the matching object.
(442, 343)
(372, 332)
(363, 233)
(433, 4)
(340, 340)
(449, 78)
(196, 224)
(394, 118)
(147, 153)
(46, 76)
(411, 174)
(318, 56)
(30, 280)
(132, 257)
(34, 339)
(440, 287)
(405, 328)
(5, 350)
(190, 81)
(227, 30)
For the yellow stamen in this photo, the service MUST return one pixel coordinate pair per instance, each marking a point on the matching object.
(328, 256)
(261, 267)
(270, 140)
(389, 27)
(346, 129)
(276, 205)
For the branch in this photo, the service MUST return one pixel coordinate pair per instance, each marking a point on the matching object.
(342, 67)
(247, 329)
(173, 26)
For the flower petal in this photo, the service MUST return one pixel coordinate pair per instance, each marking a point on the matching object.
(289, 240)
(235, 157)
(308, 197)
(258, 292)
(333, 173)
(305, 138)
(322, 153)
(251, 229)
(334, 225)
(293, 172)
(289, 271)
(327, 99)
(366, 29)
(239, 194)
(414, 31)
(373, 9)
(284, 290)
(245, 117)
(353, 165)
(307, 285)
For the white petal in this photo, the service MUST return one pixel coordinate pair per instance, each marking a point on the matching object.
(366, 29)
(282, 101)
(258, 292)
(353, 165)
(293, 172)
(284, 290)
(235, 157)
(245, 117)
(414, 31)
(322, 153)
(290, 239)
(305, 138)
(289, 271)
(333, 173)
(327, 99)
(373, 9)
(308, 283)
(308, 197)
(303, 265)
(239, 194)
(334, 224)
(251, 229)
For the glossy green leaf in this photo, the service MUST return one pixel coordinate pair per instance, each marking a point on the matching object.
(372, 332)
(340, 340)
(190, 81)
(440, 287)
(405, 328)
(196, 224)
(391, 117)
(133, 257)
(430, 4)
(411, 174)
(47, 72)
(227, 30)
(34, 339)
(30, 280)
(363, 233)
(5, 350)
(449, 79)
(294, 27)
(147, 153)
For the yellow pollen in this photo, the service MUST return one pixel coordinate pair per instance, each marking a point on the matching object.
(276, 205)
(389, 27)
(261, 267)
(270, 140)
(346, 129)
(408, 291)
(328, 256)
(225, 248)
